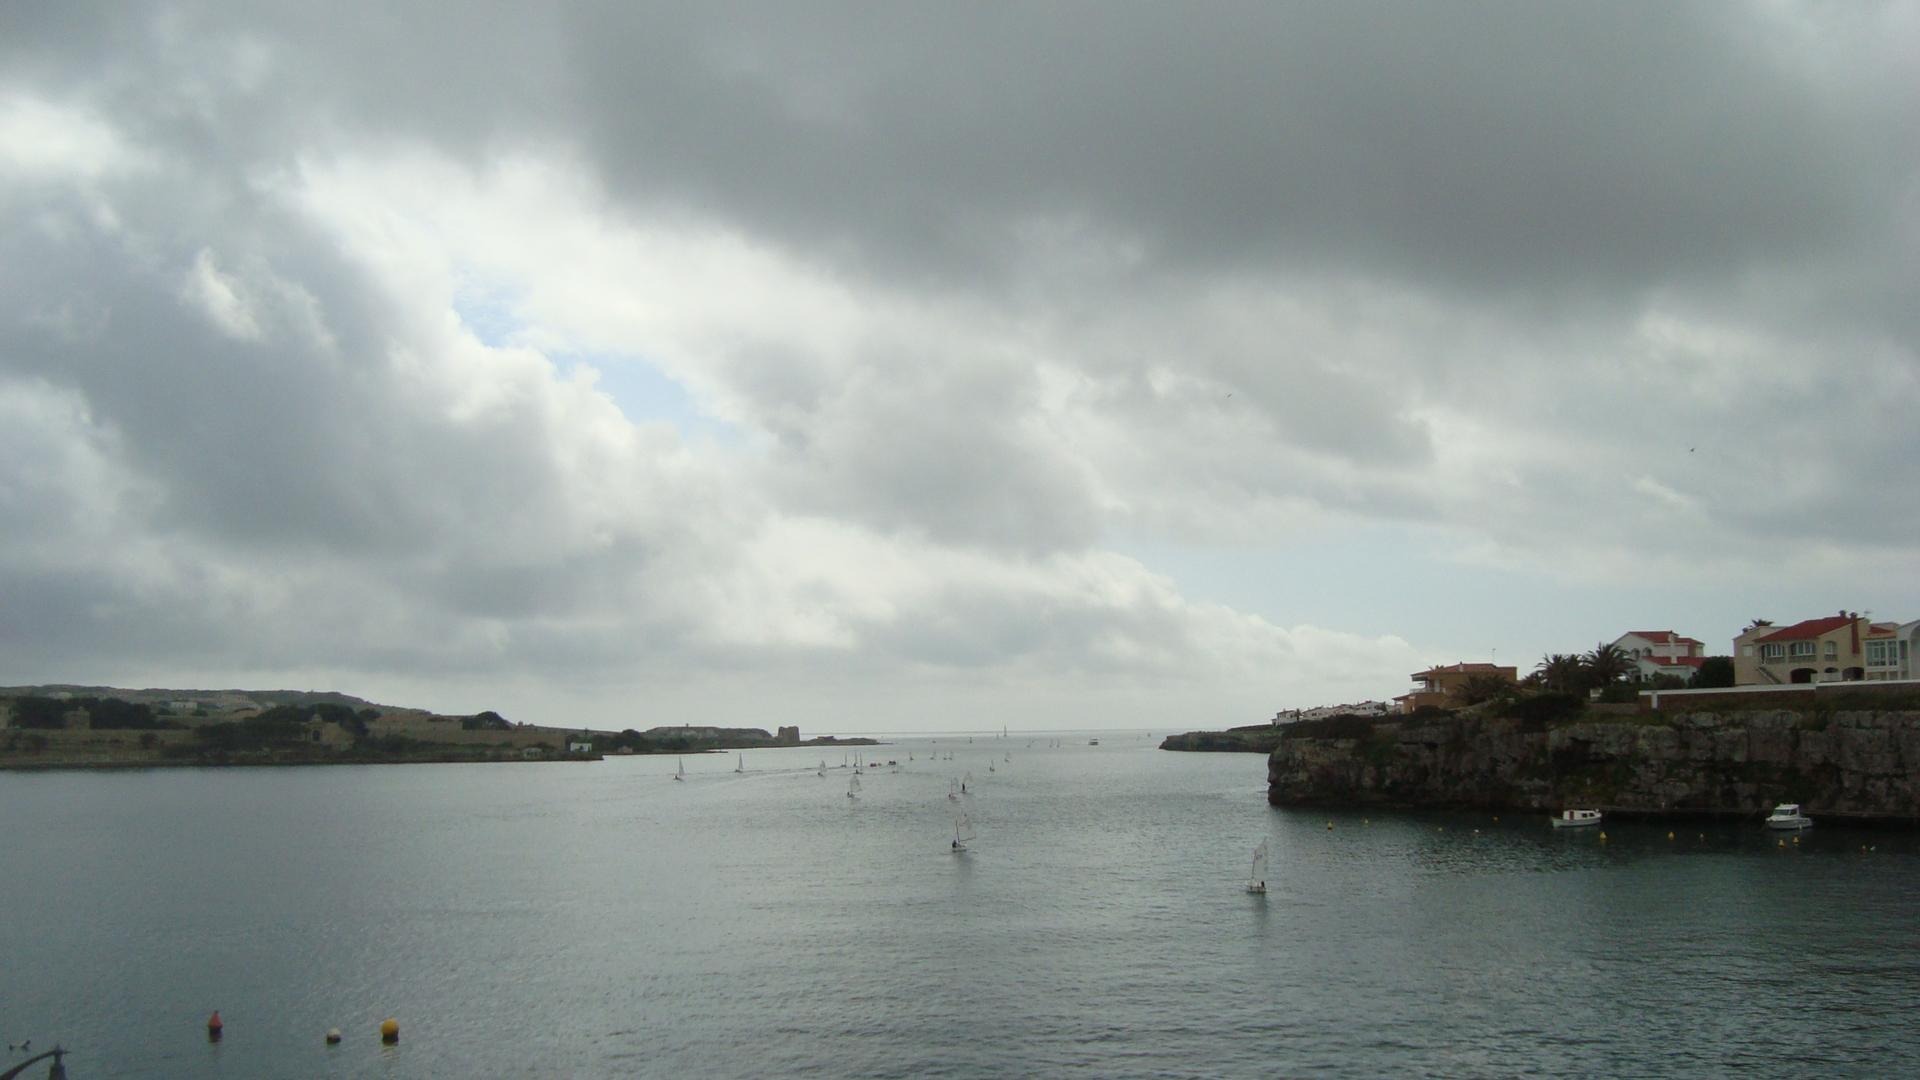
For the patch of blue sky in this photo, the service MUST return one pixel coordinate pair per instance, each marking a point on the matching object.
(644, 393)
(636, 386)
(488, 310)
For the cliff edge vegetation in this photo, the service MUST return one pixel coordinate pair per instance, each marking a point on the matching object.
(1856, 755)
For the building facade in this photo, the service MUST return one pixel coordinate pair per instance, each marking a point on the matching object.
(1441, 686)
(1829, 649)
(1661, 652)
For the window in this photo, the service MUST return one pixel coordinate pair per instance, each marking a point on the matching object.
(1771, 652)
(1833, 650)
(1883, 653)
(1803, 649)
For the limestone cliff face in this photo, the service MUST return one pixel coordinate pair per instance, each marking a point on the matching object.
(1847, 764)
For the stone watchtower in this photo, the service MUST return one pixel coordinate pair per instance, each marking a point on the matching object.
(789, 736)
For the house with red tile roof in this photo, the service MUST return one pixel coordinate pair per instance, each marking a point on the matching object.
(1661, 652)
(1832, 648)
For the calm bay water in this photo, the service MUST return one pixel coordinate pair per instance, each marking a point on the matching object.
(602, 920)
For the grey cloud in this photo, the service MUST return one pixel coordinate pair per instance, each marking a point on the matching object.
(1337, 214)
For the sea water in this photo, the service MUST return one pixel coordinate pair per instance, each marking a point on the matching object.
(604, 920)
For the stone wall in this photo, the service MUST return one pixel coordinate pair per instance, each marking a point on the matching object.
(1863, 764)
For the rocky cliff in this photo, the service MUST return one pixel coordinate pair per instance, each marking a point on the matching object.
(1858, 764)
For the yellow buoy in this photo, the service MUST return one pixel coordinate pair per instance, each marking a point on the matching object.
(389, 1030)
(1796, 841)
(1779, 843)
(1603, 836)
(333, 1035)
(1329, 826)
(1669, 834)
(1496, 819)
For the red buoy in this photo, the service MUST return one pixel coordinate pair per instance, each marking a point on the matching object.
(214, 1026)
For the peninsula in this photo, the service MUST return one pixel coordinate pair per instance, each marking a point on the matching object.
(1850, 755)
(64, 726)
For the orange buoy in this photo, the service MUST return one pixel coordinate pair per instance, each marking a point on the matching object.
(390, 1030)
(214, 1026)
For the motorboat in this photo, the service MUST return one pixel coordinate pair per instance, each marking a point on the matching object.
(1573, 819)
(1788, 816)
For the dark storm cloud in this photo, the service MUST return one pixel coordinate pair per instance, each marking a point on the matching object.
(1468, 146)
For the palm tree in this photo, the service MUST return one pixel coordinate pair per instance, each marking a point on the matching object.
(1562, 673)
(1606, 663)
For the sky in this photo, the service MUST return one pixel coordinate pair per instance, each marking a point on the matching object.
(943, 366)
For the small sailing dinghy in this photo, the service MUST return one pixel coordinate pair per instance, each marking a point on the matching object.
(953, 789)
(741, 766)
(962, 832)
(823, 767)
(964, 781)
(681, 772)
(853, 787)
(1257, 878)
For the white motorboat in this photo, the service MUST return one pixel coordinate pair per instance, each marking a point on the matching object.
(1788, 816)
(1570, 819)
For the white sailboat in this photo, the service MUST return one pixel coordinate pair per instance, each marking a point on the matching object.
(964, 781)
(962, 832)
(1257, 878)
(742, 765)
(681, 772)
(853, 787)
(953, 788)
(858, 768)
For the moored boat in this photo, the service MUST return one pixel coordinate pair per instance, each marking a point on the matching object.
(1788, 816)
(1570, 819)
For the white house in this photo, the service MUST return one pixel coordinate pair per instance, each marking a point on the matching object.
(1661, 652)
(1890, 649)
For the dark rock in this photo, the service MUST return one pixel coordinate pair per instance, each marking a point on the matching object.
(1862, 764)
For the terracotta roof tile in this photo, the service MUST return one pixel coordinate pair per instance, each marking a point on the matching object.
(1812, 628)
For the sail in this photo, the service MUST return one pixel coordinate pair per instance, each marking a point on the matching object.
(1259, 874)
(853, 785)
(963, 828)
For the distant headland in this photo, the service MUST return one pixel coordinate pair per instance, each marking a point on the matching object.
(67, 726)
